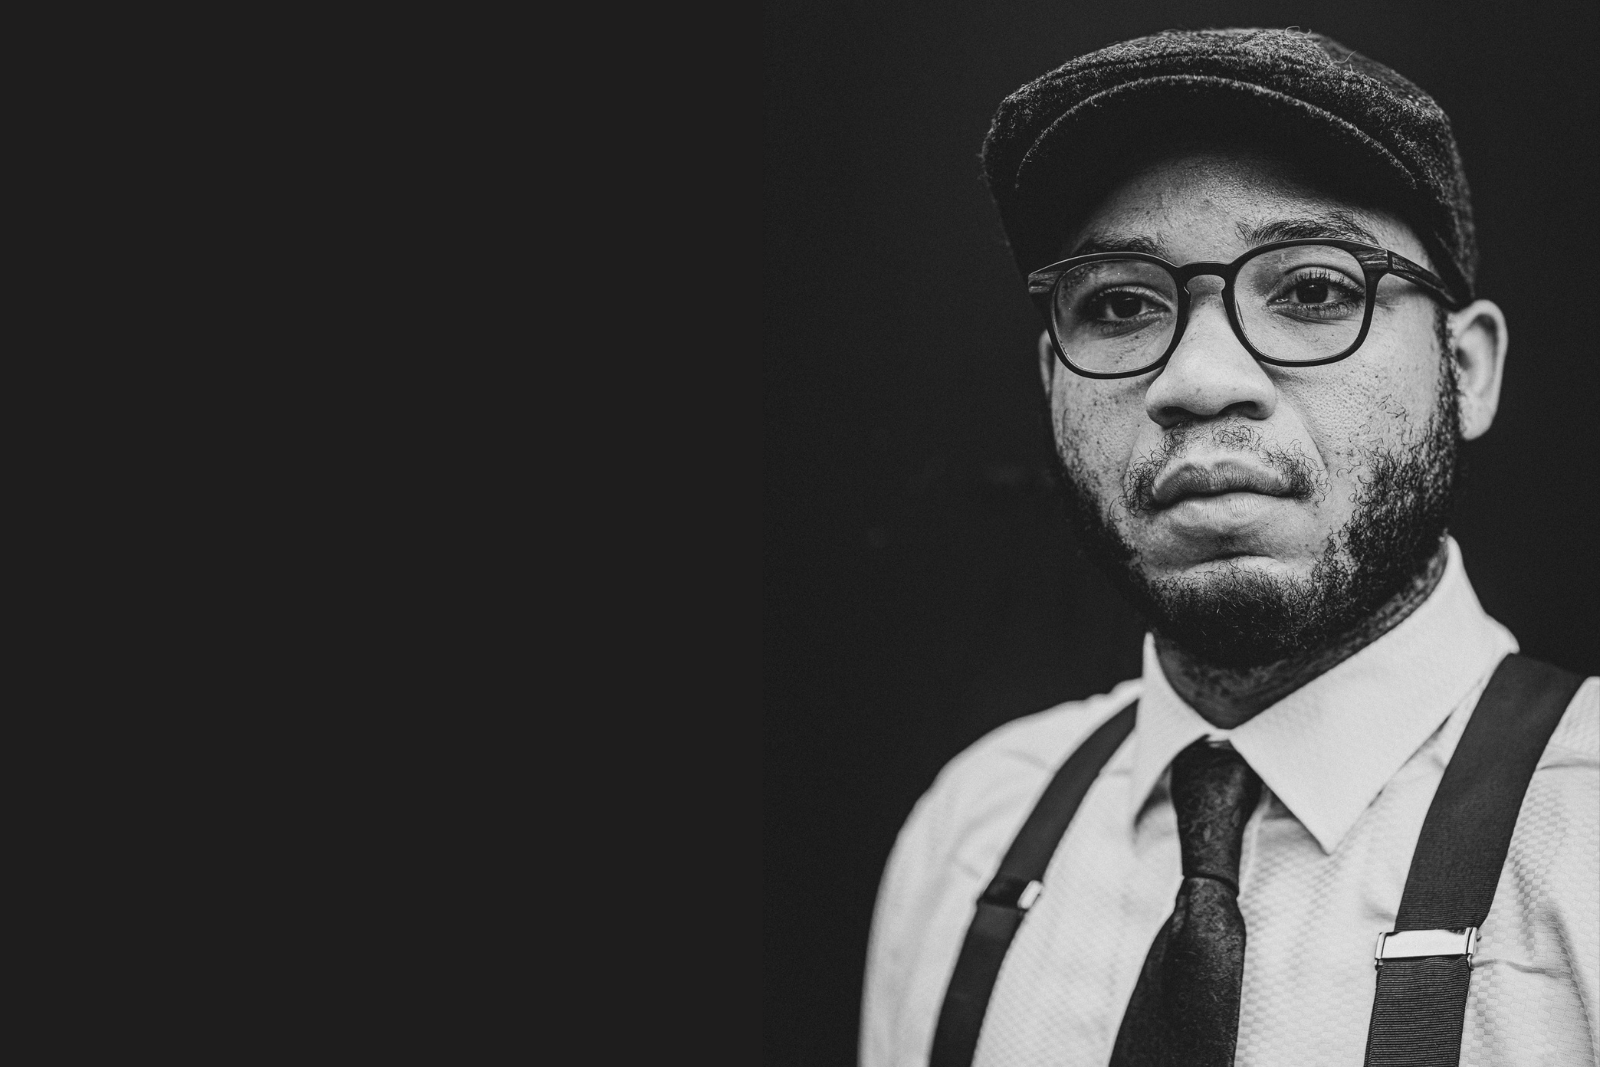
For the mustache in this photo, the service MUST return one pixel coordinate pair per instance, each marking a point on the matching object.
(1303, 481)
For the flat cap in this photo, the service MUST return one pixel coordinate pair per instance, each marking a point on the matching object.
(1057, 144)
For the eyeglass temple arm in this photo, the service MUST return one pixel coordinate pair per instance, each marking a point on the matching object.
(1420, 276)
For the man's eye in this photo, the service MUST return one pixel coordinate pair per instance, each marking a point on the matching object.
(1311, 292)
(1318, 290)
(1121, 306)
(1124, 305)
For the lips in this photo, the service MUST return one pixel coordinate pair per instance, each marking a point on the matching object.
(1214, 479)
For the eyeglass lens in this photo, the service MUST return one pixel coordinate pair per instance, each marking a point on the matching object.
(1296, 304)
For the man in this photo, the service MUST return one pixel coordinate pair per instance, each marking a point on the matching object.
(1253, 251)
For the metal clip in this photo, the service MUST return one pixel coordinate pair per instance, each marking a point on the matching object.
(1010, 892)
(1415, 944)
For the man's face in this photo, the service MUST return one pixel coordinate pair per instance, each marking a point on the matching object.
(1252, 506)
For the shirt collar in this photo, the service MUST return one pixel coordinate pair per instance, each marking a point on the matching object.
(1327, 749)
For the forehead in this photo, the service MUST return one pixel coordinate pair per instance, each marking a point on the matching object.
(1217, 204)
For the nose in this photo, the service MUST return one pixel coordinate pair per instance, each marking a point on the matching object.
(1210, 373)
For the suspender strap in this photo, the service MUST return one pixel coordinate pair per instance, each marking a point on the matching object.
(1013, 891)
(1422, 989)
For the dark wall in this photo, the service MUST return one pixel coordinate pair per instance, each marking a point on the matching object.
(919, 588)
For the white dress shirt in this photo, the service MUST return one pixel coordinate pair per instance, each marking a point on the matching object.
(1349, 764)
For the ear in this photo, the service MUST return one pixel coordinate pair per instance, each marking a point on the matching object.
(1047, 361)
(1478, 342)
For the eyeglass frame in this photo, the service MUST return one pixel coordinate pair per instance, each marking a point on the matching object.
(1375, 262)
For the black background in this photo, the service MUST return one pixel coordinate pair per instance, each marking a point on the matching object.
(919, 588)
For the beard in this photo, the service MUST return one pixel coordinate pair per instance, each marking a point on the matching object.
(1241, 619)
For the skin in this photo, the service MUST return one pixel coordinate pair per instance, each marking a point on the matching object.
(1213, 207)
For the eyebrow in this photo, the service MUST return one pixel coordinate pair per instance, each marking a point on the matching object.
(1116, 242)
(1339, 225)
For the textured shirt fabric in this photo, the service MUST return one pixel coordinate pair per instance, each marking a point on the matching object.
(1350, 763)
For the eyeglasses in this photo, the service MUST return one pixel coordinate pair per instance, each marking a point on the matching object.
(1291, 303)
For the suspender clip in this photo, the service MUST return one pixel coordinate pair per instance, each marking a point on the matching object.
(1011, 892)
(1414, 944)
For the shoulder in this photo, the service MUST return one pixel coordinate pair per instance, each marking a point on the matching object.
(949, 846)
(1564, 793)
(1577, 736)
(1543, 916)
(1556, 846)
(983, 794)
(1034, 745)
(1567, 779)
(946, 852)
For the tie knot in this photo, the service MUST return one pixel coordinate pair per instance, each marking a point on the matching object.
(1213, 793)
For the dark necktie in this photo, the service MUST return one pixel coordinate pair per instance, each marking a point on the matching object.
(1185, 1009)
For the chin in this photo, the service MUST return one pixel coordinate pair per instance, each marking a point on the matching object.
(1224, 571)
(1246, 611)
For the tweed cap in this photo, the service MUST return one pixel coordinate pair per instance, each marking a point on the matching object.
(1059, 143)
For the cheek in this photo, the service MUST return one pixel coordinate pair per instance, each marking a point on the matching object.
(1373, 404)
(1096, 429)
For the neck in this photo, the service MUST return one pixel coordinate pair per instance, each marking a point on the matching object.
(1226, 697)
